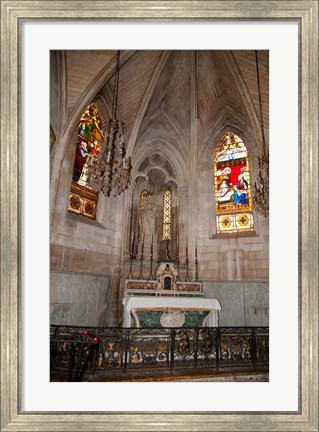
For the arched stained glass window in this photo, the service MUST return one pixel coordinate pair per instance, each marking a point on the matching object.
(83, 200)
(167, 215)
(233, 199)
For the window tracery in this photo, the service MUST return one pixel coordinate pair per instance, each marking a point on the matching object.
(167, 215)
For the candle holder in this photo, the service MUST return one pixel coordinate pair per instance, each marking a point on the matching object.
(178, 278)
(130, 275)
(131, 257)
(196, 271)
(140, 276)
(151, 276)
(187, 279)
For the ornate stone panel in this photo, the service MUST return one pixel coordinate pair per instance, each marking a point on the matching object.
(168, 317)
(80, 299)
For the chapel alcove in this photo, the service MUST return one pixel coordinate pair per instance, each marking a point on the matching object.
(154, 179)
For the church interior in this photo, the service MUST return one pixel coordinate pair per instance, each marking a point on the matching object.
(159, 193)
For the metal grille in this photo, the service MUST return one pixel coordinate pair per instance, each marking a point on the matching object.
(76, 351)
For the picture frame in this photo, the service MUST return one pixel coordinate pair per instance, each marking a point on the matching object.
(13, 13)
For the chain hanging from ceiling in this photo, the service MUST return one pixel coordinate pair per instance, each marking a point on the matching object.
(111, 174)
(261, 186)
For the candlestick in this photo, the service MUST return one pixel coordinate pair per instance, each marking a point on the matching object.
(187, 248)
(196, 263)
(196, 271)
(196, 248)
(131, 257)
(130, 275)
(140, 276)
(151, 277)
(186, 260)
(132, 244)
(187, 276)
(177, 261)
(142, 249)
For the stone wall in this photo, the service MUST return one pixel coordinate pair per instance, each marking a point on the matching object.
(181, 118)
(243, 303)
(80, 299)
(80, 245)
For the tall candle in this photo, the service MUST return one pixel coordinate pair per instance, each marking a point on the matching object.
(152, 246)
(196, 249)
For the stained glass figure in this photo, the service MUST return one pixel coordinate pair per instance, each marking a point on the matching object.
(83, 200)
(167, 215)
(233, 200)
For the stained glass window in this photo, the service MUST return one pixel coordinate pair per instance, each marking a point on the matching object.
(167, 215)
(233, 199)
(83, 200)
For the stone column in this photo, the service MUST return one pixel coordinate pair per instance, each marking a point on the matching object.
(182, 222)
(193, 163)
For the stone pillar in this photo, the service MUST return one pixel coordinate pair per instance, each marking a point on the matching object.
(182, 221)
(192, 228)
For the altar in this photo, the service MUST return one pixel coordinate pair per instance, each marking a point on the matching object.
(168, 302)
(170, 312)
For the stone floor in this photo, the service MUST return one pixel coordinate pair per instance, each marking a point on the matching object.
(229, 377)
(182, 375)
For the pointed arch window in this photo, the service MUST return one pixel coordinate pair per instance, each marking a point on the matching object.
(83, 200)
(167, 215)
(233, 199)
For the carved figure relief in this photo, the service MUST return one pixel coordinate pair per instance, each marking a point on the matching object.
(173, 319)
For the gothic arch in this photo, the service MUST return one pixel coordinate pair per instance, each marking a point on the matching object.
(245, 93)
(145, 101)
(169, 152)
(227, 121)
(163, 116)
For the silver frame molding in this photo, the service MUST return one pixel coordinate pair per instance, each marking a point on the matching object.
(306, 13)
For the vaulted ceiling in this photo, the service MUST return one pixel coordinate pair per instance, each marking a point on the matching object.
(156, 89)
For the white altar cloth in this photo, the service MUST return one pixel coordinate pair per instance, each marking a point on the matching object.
(171, 302)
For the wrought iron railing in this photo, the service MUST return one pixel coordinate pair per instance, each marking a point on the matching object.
(78, 351)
